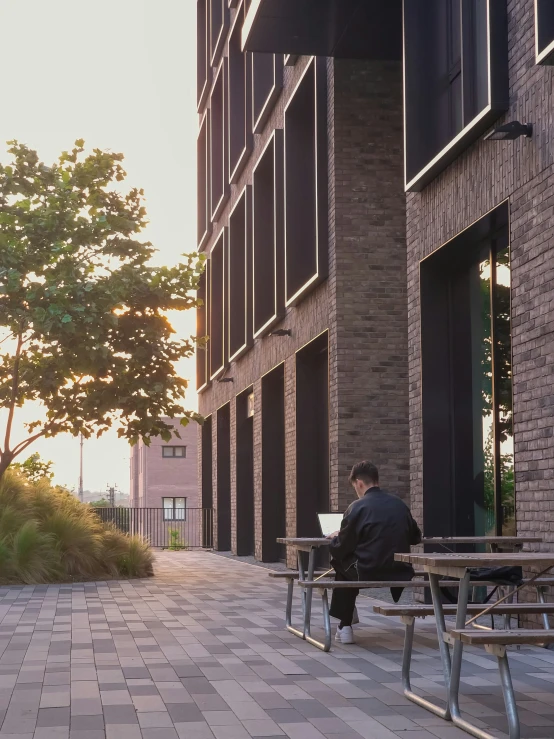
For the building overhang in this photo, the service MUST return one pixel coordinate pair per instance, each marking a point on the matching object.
(356, 29)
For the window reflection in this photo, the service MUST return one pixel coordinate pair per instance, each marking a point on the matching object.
(482, 378)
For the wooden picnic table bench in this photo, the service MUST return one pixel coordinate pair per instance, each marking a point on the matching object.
(495, 641)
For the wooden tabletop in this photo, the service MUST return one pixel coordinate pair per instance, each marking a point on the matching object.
(305, 541)
(509, 540)
(494, 559)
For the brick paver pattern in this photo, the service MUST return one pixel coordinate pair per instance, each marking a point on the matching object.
(200, 652)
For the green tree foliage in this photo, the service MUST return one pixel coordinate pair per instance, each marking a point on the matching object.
(34, 468)
(83, 326)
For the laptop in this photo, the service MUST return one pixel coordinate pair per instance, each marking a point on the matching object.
(329, 522)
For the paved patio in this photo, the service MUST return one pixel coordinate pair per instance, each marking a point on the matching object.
(200, 652)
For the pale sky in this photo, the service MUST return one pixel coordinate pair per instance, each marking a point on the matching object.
(122, 75)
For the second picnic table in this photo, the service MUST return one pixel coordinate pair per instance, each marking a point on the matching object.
(453, 565)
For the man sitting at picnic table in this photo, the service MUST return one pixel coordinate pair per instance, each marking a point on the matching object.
(374, 528)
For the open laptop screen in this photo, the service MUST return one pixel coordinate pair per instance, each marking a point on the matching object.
(329, 522)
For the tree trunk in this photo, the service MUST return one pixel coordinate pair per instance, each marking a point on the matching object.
(6, 458)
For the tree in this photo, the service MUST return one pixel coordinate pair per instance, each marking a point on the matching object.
(34, 468)
(83, 318)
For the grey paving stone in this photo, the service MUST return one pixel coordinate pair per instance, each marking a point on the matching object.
(53, 717)
(203, 656)
(87, 723)
(120, 715)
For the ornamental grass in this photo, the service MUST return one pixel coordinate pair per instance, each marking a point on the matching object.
(48, 536)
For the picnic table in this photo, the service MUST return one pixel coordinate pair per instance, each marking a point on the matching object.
(496, 543)
(307, 583)
(458, 566)
(303, 545)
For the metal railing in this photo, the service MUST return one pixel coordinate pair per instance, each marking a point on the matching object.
(192, 529)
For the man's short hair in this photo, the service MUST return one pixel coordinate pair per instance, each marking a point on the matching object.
(366, 472)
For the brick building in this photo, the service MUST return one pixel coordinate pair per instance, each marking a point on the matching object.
(302, 217)
(165, 474)
(465, 207)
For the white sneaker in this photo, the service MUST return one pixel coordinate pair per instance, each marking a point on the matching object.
(345, 635)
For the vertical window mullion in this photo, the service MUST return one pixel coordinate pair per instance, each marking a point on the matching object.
(495, 407)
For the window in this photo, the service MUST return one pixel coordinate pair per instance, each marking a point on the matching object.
(218, 333)
(239, 276)
(267, 82)
(219, 20)
(455, 80)
(174, 451)
(267, 236)
(203, 69)
(306, 211)
(175, 509)
(239, 98)
(218, 144)
(468, 445)
(204, 226)
(544, 31)
(202, 324)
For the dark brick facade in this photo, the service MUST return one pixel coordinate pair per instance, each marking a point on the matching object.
(490, 172)
(362, 304)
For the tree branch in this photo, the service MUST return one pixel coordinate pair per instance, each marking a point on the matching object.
(27, 442)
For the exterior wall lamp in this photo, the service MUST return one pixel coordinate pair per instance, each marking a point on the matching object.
(510, 131)
(226, 379)
(281, 332)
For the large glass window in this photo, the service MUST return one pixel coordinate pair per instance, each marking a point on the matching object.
(455, 80)
(468, 453)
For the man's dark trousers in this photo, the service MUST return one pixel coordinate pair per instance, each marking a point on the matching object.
(343, 600)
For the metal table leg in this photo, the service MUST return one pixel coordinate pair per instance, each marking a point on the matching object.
(309, 593)
(409, 622)
(303, 596)
(434, 581)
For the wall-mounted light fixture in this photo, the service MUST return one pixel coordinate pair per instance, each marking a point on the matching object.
(250, 406)
(510, 131)
(281, 332)
(226, 379)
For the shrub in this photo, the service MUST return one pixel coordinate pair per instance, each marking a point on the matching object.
(47, 535)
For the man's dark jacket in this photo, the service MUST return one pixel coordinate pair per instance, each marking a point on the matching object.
(373, 530)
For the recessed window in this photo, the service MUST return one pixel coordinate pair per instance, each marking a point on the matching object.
(202, 324)
(203, 68)
(267, 236)
(217, 306)
(204, 226)
(239, 312)
(219, 22)
(455, 80)
(240, 96)
(468, 445)
(175, 509)
(267, 83)
(218, 144)
(306, 210)
(174, 451)
(544, 31)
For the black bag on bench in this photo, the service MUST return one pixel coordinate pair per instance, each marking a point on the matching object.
(500, 575)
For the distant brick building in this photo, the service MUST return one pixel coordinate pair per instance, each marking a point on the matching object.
(165, 474)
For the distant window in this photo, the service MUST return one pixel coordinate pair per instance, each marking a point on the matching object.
(174, 451)
(175, 509)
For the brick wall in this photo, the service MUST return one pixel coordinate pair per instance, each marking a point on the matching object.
(362, 304)
(368, 281)
(485, 175)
